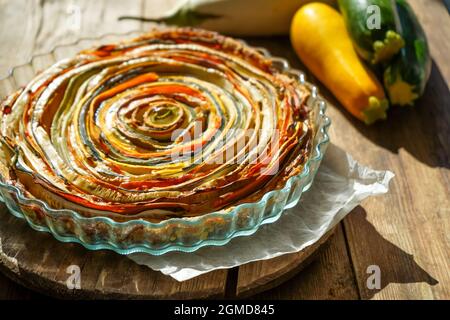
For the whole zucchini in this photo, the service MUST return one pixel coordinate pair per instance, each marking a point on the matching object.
(374, 45)
(406, 76)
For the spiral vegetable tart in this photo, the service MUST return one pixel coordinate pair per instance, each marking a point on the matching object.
(176, 123)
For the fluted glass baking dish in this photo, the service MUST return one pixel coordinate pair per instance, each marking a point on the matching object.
(175, 234)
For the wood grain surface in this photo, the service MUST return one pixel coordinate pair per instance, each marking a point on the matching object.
(405, 233)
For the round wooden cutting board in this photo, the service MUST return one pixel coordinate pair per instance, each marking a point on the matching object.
(40, 262)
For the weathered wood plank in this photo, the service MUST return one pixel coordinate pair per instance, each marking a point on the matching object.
(30, 26)
(10, 290)
(258, 276)
(329, 276)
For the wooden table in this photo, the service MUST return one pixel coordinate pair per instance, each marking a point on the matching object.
(405, 233)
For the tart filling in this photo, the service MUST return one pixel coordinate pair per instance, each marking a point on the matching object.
(176, 123)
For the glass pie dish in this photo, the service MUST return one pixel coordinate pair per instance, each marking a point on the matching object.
(174, 234)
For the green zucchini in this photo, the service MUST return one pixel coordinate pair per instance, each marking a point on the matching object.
(406, 76)
(375, 44)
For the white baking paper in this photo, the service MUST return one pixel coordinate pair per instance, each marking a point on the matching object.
(340, 185)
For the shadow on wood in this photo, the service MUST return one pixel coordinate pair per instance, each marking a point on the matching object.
(328, 277)
(396, 265)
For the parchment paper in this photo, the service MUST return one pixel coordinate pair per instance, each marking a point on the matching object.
(340, 185)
